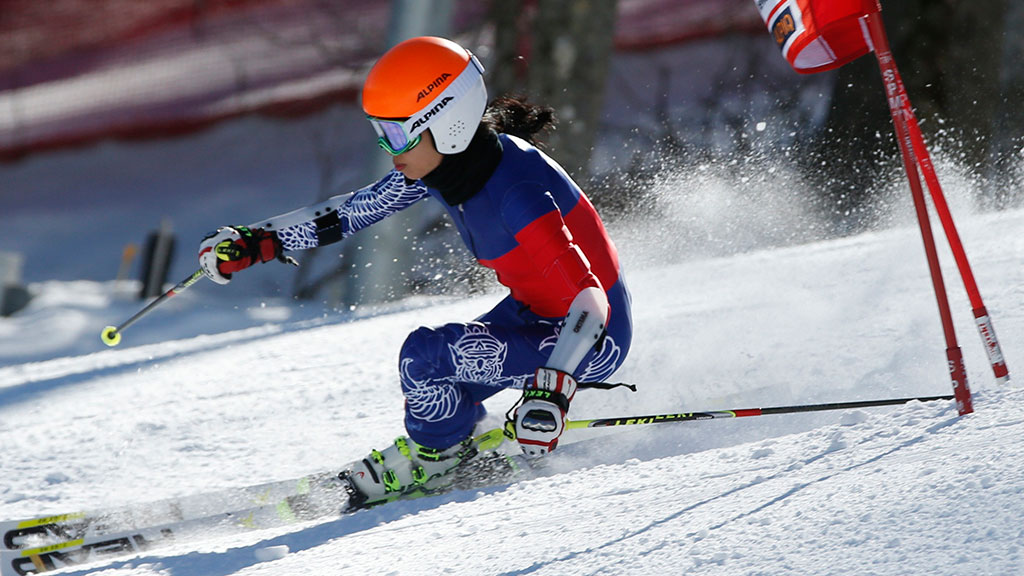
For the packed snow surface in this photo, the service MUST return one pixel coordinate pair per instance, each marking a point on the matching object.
(216, 390)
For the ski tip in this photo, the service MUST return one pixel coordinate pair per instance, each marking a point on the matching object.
(110, 336)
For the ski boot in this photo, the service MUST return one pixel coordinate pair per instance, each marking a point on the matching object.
(403, 469)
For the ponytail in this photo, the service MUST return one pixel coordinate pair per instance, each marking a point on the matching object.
(515, 116)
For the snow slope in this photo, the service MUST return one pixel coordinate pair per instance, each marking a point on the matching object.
(218, 390)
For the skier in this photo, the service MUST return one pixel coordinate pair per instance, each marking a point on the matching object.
(567, 316)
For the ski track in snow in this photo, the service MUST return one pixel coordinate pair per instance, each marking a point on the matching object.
(204, 395)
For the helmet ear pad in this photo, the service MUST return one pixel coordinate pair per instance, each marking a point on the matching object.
(453, 130)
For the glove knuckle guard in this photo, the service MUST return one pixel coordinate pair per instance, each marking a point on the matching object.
(540, 421)
(211, 253)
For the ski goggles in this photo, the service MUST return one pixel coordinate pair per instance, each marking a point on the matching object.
(399, 135)
(392, 135)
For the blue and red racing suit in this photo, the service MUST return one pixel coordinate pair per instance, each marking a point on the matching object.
(541, 235)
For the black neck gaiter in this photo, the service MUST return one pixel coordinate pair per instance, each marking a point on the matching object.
(462, 175)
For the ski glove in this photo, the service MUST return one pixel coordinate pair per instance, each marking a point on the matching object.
(540, 419)
(234, 248)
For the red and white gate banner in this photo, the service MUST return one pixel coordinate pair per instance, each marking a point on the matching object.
(818, 35)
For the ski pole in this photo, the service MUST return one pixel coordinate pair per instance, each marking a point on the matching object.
(111, 335)
(691, 416)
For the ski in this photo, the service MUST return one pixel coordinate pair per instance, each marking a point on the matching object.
(43, 544)
(102, 545)
(53, 529)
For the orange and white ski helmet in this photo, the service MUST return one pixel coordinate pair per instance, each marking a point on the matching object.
(425, 83)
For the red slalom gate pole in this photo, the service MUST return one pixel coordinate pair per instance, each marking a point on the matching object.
(898, 102)
(981, 317)
(923, 159)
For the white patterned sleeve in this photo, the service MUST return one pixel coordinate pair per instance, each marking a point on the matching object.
(341, 216)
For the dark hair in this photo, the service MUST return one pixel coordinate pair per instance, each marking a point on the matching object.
(515, 116)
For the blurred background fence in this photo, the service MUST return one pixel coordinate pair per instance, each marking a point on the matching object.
(647, 91)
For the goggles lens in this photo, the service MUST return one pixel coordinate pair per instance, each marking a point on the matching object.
(392, 136)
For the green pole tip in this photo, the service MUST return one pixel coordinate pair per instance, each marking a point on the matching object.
(111, 337)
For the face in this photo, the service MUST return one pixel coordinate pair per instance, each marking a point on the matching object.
(419, 161)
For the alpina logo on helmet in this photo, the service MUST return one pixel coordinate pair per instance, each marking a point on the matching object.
(430, 87)
(432, 112)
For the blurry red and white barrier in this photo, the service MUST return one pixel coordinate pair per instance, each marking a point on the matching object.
(818, 35)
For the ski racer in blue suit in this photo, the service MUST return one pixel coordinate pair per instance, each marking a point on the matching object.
(567, 315)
